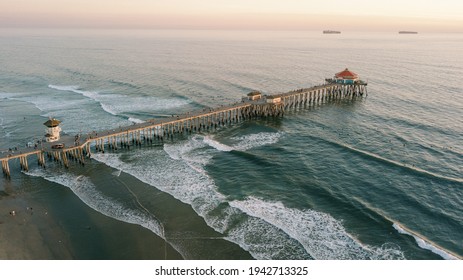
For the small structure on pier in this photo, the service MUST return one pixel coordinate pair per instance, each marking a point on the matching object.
(346, 77)
(53, 130)
(253, 95)
(274, 99)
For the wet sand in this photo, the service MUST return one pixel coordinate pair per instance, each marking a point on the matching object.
(51, 222)
(37, 232)
(29, 233)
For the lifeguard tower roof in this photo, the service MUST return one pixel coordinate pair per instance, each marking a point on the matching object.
(52, 122)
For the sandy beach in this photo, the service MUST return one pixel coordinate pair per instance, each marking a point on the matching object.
(29, 232)
(36, 232)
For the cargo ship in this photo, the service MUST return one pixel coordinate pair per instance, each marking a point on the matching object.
(331, 32)
(408, 32)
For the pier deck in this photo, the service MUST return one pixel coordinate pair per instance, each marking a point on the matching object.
(160, 129)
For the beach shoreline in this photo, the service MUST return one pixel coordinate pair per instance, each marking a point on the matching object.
(29, 230)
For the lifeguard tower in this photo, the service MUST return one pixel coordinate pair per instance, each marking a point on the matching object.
(53, 130)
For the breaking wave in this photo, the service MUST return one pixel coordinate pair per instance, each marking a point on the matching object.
(117, 105)
(83, 188)
(244, 143)
(322, 236)
(424, 243)
(265, 229)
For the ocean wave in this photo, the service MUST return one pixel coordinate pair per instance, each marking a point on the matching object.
(83, 188)
(250, 141)
(424, 243)
(417, 124)
(125, 84)
(217, 145)
(7, 134)
(42, 103)
(420, 240)
(266, 232)
(88, 193)
(90, 94)
(394, 163)
(135, 120)
(95, 96)
(246, 142)
(191, 184)
(117, 105)
(322, 236)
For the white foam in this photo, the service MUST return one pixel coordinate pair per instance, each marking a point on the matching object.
(135, 120)
(64, 88)
(94, 95)
(180, 172)
(244, 143)
(420, 240)
(7, 134)
(269, 231)
(425, 244)
(108, 109)
(44, 103)
(117, 173)
(322, 236)
(251, 141)
(217, 145)
(192, 152)
(71, 112)
(90, 94)
(87, 192)
(117, 104)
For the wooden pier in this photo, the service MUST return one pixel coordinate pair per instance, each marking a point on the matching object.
(255, 105)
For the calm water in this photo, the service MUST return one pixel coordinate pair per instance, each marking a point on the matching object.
(376, 178)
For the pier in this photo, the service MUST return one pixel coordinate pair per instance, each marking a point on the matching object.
(156, 131)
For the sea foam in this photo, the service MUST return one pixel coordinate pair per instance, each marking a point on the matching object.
(116, 104)
(83, 188)
(424, 243)
(421, 241)
(246, 142)
(88, 193)
(322, 236)
(265, 229)
(191, 184)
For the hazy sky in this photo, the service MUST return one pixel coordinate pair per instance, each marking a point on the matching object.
(386, 15)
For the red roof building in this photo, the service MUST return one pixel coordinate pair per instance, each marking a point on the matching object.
(347, 74)
(346, 77)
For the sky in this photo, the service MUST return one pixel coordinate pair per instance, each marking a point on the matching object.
(361, 15)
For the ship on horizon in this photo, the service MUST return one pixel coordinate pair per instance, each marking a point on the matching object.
(408, 32)
(331, 32)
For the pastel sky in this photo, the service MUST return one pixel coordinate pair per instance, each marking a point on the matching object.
(373, 15)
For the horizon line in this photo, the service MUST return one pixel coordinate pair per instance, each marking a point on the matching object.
(218, 29)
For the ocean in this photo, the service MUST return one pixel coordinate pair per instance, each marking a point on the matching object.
(378, 177)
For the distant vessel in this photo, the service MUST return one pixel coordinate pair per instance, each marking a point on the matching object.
(408, 32)
(331, 32)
